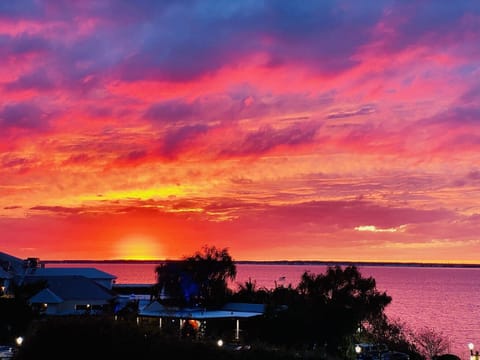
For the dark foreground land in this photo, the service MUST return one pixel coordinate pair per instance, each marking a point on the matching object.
(104, 338)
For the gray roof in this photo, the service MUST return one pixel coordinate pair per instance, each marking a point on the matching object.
(244, 310)
(73, 288)
(91, 273)
(45, 296)
(246, 307)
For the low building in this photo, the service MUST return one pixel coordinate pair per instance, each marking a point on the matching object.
(63, 290)
(197, 319)
(70, 295)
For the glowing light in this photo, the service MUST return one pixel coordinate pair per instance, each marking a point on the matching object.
(373, 228)
(138, 247)
(19, 340)
(220, 343)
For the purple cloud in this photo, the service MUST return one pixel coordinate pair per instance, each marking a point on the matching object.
(176, 139)
(171, 111)
(184, 40)
(419, 22)
(24, 116)
(364, 110)
(268, 138)
(38, 80)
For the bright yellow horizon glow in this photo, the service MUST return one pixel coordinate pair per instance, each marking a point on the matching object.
(138, 247)
(141, 194)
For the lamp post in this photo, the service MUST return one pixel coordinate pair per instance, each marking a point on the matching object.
(19, 340)
(358, 351)
(473, 355)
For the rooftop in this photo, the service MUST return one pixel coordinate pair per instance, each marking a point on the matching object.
(72, 288)
(91, 273)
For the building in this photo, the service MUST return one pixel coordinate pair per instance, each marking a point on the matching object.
(70, 295)
(61, 291)
(198, 319)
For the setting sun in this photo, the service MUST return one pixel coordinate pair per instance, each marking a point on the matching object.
(138, 247)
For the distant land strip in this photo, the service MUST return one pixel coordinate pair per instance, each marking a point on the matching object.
(275, 262)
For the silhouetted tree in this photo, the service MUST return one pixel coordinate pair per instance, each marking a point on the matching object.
(200, 279)
(249, 292)
(170, 282)
(341, 299)
(210, 269)
(393, 333)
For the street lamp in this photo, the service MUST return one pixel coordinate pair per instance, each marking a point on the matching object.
(358, 350)
(473, 356)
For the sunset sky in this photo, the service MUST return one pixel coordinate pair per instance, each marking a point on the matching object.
(313, 130)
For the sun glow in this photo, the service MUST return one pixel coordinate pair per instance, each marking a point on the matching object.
(138, 247)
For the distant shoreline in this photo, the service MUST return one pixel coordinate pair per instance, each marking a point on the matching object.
(275, 262)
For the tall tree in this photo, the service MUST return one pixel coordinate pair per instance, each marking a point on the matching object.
(211, 269)
(200, 279)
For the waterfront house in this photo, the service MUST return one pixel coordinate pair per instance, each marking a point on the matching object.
(70, 295)
(62, 290)
(198, 320)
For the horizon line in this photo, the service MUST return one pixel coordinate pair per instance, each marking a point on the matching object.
(281, 262)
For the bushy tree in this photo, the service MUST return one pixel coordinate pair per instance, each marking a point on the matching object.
(200, 279)
(324, 311)
(391, 332)
(340, 300)
(249, 292)
(172, 287)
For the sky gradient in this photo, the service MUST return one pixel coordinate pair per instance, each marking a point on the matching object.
(313, 130)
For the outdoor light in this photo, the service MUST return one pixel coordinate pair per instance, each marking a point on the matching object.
(358, 349)
(220, 343)
(473, 356)
(19, 340)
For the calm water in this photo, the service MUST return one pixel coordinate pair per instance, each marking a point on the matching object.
(446, 299)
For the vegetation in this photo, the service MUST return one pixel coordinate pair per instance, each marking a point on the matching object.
(199, 280)
(102, 338)
(323, 311)
(430, 343)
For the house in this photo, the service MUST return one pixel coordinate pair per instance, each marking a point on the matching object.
(197, 318)
(62, 291)
(70, 295)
